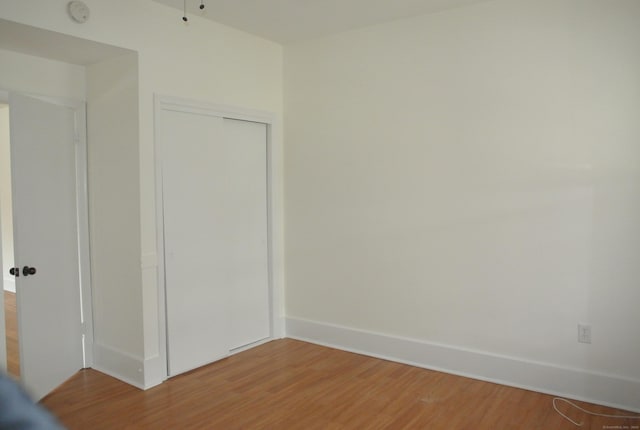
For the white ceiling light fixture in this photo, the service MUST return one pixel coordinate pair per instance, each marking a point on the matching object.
(184, 9)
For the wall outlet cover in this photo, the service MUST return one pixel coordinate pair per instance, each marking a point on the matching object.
(584, 333)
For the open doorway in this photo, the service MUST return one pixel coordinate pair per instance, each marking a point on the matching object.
(10, 337)
(105, 77)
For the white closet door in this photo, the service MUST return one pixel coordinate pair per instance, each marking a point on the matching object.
(247, 209)
(214, 203)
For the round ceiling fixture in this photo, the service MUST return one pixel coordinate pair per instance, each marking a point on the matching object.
(78, 11)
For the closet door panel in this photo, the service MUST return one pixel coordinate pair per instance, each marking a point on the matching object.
(247, 211)
(197, 275)
(214, 201)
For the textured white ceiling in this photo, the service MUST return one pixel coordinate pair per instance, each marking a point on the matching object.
(286, 21)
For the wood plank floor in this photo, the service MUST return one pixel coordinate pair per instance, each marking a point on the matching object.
(11, 326)
(288, 384)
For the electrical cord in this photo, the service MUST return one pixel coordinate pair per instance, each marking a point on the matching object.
(555, 406)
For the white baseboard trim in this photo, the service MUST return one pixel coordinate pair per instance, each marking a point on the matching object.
(155, 372)
(119, 364)
(9, 284)
(278, 330)
(607, 390)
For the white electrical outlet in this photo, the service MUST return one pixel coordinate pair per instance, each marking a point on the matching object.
(584, 333)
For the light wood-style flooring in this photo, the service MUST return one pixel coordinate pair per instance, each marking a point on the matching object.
(11, 326)
(288, 384)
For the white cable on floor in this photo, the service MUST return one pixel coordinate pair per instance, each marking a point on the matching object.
(555, 399)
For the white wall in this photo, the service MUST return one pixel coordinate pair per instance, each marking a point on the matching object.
(202, 61)
(4, 228)
(470, 179)
(25, 73)
(114, 205)
(6, 217)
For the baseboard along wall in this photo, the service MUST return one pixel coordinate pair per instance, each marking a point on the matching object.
(607, 390)
(119, 364)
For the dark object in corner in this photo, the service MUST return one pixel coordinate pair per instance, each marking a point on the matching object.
(19, 412)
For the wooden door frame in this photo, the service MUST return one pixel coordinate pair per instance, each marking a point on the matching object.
(169, 103)
(82, 214)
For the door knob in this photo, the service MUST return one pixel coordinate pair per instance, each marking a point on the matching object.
(26, 270)
(15, 271)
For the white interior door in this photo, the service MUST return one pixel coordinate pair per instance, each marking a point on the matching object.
(247, 252)
(45, 216)
(214, 183)
(197, 315)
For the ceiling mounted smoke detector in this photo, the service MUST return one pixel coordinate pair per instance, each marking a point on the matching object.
(78, 11)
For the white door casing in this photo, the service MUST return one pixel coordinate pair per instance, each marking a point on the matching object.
(3, 344)
(212, 171)
(48, 161)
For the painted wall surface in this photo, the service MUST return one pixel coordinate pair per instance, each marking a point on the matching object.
(471, 178)
(25, 73)
(6, 217)
(201, 61)
(114, 204)
(6, 284)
